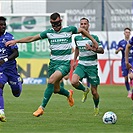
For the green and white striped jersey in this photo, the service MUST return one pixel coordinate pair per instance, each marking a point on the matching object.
(60, 43)
(86, 57)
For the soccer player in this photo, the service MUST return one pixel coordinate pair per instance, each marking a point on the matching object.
(87, 64)
(60, 39)
(121, 47)
(129, 53)
(8, 70)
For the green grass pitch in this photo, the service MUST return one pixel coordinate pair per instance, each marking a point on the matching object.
(59, 117)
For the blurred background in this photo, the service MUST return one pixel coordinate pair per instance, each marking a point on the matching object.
(29, 17)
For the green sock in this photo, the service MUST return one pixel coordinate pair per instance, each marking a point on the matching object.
(47, 94)
(63, 91)
(96, 102)
(80, 87)
(62, 84)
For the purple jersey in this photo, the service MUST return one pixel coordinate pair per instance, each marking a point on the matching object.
(131, 41)
(123, 44)
(7, 51)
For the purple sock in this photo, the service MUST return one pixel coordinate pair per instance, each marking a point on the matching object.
(1, 99)
(127, 86)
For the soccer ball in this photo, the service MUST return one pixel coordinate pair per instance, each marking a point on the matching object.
(109, 117)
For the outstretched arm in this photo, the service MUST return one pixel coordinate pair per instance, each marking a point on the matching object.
(118, 50)
(23, 40)
(85, 33)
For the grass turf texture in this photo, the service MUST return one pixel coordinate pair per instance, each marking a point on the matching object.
(59, 117)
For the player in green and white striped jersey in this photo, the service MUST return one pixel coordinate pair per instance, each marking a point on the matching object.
(60, 39)
(87, 64)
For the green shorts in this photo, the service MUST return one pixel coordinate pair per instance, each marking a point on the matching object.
(64, 69)
(89, 72)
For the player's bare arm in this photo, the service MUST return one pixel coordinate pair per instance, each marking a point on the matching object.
(128, 65)
(75, 57)
(14, 55)
(23, 40)
(99, 50)
(85, 33)
(119, 49)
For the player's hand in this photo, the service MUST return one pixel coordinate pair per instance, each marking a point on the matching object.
(95, 45)
(130, 74)
(128, 65)
(88, 47)
(120, 49)
(94, 48)
(10, 43)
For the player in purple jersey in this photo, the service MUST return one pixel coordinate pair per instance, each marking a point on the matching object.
(121, 47)
(8, 70)
(129, 66)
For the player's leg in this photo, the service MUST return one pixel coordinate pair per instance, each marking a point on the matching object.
(85, 94)
(62, 90)
(65, 92)
(131, 83)
(3, 80)
(65, 72)
(127, 85)
(61, 83)
(95, 99)
(15, 82)
(59, 86)
(132, 95)
(2, 114)
(94, 81)
(77, 75)
(131, 78)
(56, 76)
(130, 75)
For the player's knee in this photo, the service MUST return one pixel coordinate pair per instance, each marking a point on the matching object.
(16, 93)
(51, 80)
(75, 80)
(94, 93)
(74, 83)
(16, 90)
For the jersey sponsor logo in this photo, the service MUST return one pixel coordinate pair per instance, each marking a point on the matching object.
(58, 40)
